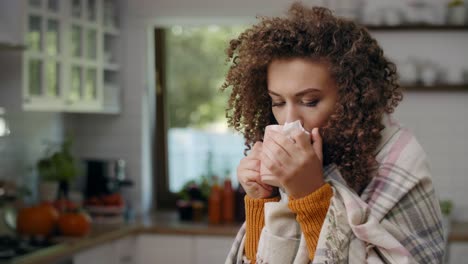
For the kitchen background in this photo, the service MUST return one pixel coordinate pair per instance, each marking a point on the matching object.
(437, 116)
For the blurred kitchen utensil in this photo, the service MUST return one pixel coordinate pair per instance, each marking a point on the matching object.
(4, 128)
(8, 195)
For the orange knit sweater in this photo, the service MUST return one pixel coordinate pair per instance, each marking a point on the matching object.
(310, 213)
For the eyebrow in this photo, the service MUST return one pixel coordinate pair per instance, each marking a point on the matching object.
(301, 93)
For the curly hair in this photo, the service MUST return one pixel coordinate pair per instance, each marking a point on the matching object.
(367, 83)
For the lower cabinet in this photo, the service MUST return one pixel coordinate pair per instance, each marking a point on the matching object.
(122, 251)
(166, 249)
(177, 249)
(212, 249)
(155, 248)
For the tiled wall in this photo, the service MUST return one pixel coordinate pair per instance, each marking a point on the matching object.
(20, 150)
(125, 135)
(437, 118)
(439, 122)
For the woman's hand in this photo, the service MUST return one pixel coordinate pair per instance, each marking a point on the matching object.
(295, 161)
(248, 174)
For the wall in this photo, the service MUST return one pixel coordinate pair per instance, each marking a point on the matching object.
(437, 120)
(437, 117)
(20, 150)
(128, 134)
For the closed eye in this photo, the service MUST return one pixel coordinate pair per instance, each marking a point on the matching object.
(311, 103)
(275, 104)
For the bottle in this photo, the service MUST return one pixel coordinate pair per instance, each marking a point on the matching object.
(214, 203)
(228, 201)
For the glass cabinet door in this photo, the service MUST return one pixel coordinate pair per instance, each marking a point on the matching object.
(76, 47)
(91, 10)
(35, 3)
(52, 37)
(52, 79)
(34, 35)
(109, 13)
(72, 49)
(35, 77)
(53, 5)
(90, 92)
(91, 44)
(76, 8)
(76, 84)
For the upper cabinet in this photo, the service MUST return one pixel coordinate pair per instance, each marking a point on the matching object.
(10, 37)
(71, 62)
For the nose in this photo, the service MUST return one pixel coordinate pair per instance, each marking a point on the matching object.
(293, 114)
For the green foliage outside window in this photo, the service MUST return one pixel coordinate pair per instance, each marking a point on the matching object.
(196, 68)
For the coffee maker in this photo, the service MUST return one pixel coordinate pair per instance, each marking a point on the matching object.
(104, 176)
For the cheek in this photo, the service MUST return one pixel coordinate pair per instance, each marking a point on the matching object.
(316, 119)
(313, 121)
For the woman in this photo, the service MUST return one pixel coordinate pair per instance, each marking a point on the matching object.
(356, 187)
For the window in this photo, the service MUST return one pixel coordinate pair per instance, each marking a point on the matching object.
(192, 136)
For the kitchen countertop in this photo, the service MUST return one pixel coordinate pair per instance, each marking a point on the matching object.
(159, 223)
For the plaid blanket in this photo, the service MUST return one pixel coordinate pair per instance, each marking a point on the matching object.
(396, 219)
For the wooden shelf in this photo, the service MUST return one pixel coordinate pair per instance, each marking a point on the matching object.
(436, 88)
(418, 27)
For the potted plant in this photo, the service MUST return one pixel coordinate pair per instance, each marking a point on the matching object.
(192, 200)
(58, 168)
(446, 207)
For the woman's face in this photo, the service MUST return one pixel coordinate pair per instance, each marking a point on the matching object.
(301, 90)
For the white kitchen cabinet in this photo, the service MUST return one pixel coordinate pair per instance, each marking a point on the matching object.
(123, 251)
(10, 37)
(102, 254)
(71, 63)
(212, 249)
(166, 249)
(183, 249)
(158, 248)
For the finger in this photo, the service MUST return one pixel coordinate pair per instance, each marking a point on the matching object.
(317, 143)
(251, 164)
(256, 190)
(302, 139)
(249, 177)
(256, 149)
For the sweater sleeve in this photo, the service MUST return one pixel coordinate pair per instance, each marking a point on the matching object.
(310, 213)
(255, 220)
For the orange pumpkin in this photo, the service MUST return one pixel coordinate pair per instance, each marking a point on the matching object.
(74, 224)
(37, 220)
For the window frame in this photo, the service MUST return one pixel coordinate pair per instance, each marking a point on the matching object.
(165, 199)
